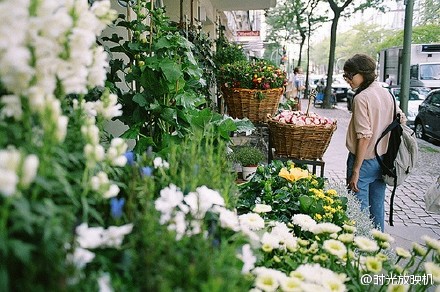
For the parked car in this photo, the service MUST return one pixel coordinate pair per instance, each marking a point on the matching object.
(340, 87)
(415, 99)
(427, 122)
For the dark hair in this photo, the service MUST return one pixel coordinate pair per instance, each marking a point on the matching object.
(297, 69)
(364, 65)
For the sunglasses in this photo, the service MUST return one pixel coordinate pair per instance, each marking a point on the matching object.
(349, 76)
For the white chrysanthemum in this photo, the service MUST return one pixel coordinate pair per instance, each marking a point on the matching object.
(325, 228)
(397, 288)
(401, 252)
(202, 200)
(252, 221)
(114, 235)
(11, 107)
(248, 258)
(309, 271)
(270, 241)
(262, 208)
(381, 236)
(228, 219)
(432, 243)
(434, 270)
(304, 221)
(290, 284)
(346, 237)
(81, 257)
(333, 284)
(418, 249)
(349, 228)
(335, 247)
(366, 244)
(373, 265)
(266, 282)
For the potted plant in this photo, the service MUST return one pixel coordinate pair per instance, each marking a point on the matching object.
(249, 158)
(252, 90)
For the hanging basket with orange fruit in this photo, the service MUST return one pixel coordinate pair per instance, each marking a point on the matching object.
(252, 90)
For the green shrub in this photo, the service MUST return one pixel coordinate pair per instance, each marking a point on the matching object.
(249, 156)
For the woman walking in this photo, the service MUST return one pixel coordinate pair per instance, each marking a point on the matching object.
(372, 112)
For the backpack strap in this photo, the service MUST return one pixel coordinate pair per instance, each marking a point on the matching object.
(393, 193)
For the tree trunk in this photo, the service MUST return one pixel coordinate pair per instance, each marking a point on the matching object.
(331, 61)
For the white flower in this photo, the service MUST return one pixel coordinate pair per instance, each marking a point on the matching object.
(8, 182)
(94, 153)
(346, 237)
(266, 282)
(270, 242)
(381, 236)
(335, 247)
(11, 107)
(262, 208)
(252, 221)
(114, 235)
(89, 237)
(366, 244)
(228, 219)
(290, 284)
(61, 130)
(248, 258)
(115, 153)
(304, 221)
(159, 163)
(325, 228)
(104, 283)
(432, 243)
(112, 191)
(434, 270)
(170, 197)
(29, 171)
(90, 133)
(81, 257)
(401, 252)
(179, 225)
(397, 288)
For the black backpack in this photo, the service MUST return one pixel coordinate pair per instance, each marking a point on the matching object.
(400, 158)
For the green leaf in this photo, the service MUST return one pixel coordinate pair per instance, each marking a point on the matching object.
(143, 143)
(21, 250)
(139, 98)
(131, 133)
(171, 70)
(305, 202)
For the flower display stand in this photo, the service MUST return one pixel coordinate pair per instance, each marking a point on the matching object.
(253, 104)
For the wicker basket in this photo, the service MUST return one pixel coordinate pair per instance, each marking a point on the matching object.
(300, 142)
(245, 103)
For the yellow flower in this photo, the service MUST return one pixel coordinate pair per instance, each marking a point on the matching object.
(332, 193)
(318, 217)
(294, 174)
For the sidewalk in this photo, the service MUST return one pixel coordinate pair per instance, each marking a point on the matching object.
(411, 221)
